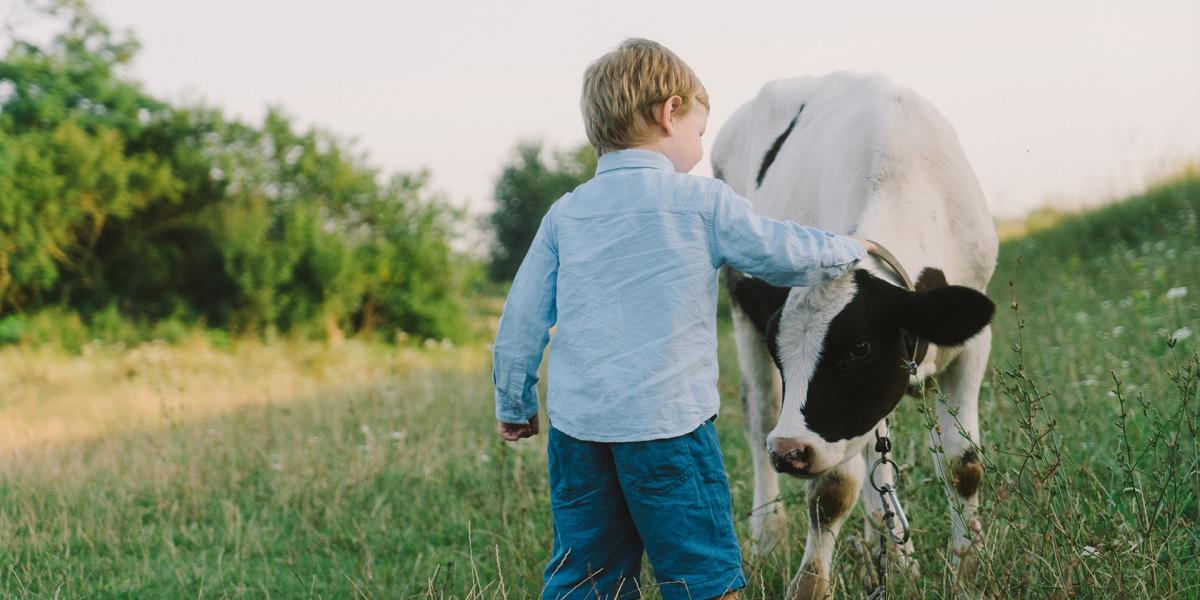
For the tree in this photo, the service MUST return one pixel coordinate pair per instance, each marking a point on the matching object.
(111, 200)
(526, 188)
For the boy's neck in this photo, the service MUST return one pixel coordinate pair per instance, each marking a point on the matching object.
(654, 146)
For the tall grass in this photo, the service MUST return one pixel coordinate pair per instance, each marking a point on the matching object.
(297, 470)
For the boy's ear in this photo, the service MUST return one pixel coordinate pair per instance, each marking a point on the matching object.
(946, 316)
(664, 112)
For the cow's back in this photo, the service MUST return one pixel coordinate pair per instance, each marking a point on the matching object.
(857, 154)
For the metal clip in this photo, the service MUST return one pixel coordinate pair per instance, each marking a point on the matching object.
(893, 511)
(891, 504)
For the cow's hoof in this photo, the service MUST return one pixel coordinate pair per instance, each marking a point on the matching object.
(810, 583)
(966, 570)
(770, 534)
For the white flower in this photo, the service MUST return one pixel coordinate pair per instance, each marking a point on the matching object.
(399, 435)
(1182, 333)
(483, 457)
(1090, 552)
(1117, 330)
(1176, 292)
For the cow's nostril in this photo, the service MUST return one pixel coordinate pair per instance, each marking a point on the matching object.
(788, 456)
(799, 456)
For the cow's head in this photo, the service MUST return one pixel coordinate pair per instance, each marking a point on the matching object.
(840, 348)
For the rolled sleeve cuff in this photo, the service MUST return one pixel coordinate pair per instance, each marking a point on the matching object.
(516, 395)
(510, 410)
(848, 251)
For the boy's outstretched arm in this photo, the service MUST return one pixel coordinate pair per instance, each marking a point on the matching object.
(782, 253)
(521, 337)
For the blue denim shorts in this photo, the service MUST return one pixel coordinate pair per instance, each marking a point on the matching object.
(612, 501)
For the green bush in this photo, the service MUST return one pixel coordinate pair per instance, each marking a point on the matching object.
(11, 329)
(131, 211)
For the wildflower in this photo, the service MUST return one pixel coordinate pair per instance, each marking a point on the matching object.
(1182, 333)
(1176, 292)
(1116, 331)
(1090, 552)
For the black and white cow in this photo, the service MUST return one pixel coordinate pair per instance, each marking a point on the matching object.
(857, 155)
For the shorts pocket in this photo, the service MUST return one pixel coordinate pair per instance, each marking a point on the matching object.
(576, 466)
(656, 467)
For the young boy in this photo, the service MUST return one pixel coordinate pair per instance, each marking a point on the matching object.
(626, 265)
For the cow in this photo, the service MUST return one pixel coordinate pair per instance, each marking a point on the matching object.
(858, 155)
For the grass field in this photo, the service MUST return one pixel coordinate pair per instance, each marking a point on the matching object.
(297, 470)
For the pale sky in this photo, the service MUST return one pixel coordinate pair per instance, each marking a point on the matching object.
(1064, 101)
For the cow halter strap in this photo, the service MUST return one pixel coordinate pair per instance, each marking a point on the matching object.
(893, 515)
(889, 259)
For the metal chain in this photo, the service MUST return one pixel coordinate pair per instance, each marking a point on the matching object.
(892, 514)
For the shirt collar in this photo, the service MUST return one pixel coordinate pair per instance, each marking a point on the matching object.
(633, 158)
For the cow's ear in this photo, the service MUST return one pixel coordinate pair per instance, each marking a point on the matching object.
(758, 299)
(947, 316)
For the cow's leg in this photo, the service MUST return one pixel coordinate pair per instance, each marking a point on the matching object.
(761, 395)
(873, 510)
(958, 463)
(830, 498)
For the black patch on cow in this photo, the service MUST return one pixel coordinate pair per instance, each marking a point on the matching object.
(772, 336)
(929, 279)
(860, 376)
(761, 302)
(948, 315)
(756, 298)
(770, 156)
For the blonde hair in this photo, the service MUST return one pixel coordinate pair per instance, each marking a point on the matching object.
(621, 89)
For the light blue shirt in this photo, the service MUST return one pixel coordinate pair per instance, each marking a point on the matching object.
(626, 265)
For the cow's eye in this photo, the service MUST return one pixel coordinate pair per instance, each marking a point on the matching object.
(861, 350)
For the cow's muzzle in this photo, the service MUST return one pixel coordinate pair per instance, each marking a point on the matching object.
(791, 457)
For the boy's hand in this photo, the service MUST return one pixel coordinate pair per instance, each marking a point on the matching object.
(514, 431)
(866, 243)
